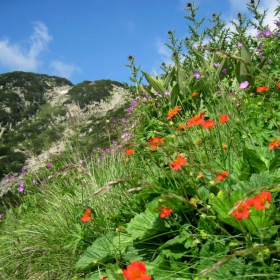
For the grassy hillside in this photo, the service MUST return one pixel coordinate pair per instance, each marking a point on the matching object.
(188, 187)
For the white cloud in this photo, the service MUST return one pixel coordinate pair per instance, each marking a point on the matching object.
(62, 69)
(163, 51)
(18, 56)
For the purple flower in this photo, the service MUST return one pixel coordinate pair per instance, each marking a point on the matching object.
(21, 187)
(158, 94)
(7, 180)
(217, 64)
(262, 57)
(1, 216)
(196, 74)
(167, 93)
(277, 23)
(231, 93)
(34, 181)
(259, 49)
(239, 44)
(49, 165)
(244, 85)
(224, 70)
(270, 60)
(276, 34)
(259, 34)
(126, 136)
(13, 176)
(23, 170)
(267, 33)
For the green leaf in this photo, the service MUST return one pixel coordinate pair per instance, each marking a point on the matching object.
(101, 251)
(254, 160)
(145, 224)
(157, 86)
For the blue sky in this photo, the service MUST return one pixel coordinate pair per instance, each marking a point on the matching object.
(91, 39)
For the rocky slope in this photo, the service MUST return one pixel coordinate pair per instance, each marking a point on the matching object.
(38, 112)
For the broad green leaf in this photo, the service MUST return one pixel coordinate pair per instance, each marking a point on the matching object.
(145, 224)
(168, 80)
(157, 86)
(254, 160)
(101, 251)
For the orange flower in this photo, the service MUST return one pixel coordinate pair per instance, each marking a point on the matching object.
(261, 89)
(208, 124)
(196, 120)
(274, 144)
(165, 212)
(224, 118)
(182, 126)
(261, 199)
(173, 112)
(86, 216)
(154, 142)
(104, 278)
(278, 85)
(195, 94)
(129, 152)
(136, 271)
(178, 162)
(221, 176)
(224, 146)
(241, 210)
(200, 175)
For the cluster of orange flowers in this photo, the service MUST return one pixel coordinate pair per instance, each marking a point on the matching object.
(178, 162)
(259, 201)
(262, 89)
(206, 124)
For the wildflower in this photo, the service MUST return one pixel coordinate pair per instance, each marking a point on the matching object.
(224, 70)
(21, 187)
(86, 216)
(260, 200)
(196, 74)
(7, 180)
(196, 120)
(216, 64)
(261, 89)
(154, 142)
(259, 49)
(224, 118)
(200, 175)
(224, 146)
(136, 271)
(167, 93)
(34, 181)
(270, 60)
(278, 85)
(104, 278)
(241, 211)
(173, 112)
(244, 85)
(274, 144)
(195, 94)
(239, 44)
(165, 212)
(182, 126)
(277, 23)
(208, 124)
(23, 170)
(49, 165)
(1, 216)
(221, 176)
(178, 162)
(129, 152)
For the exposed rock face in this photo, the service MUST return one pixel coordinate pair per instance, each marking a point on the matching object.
(31, 105)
